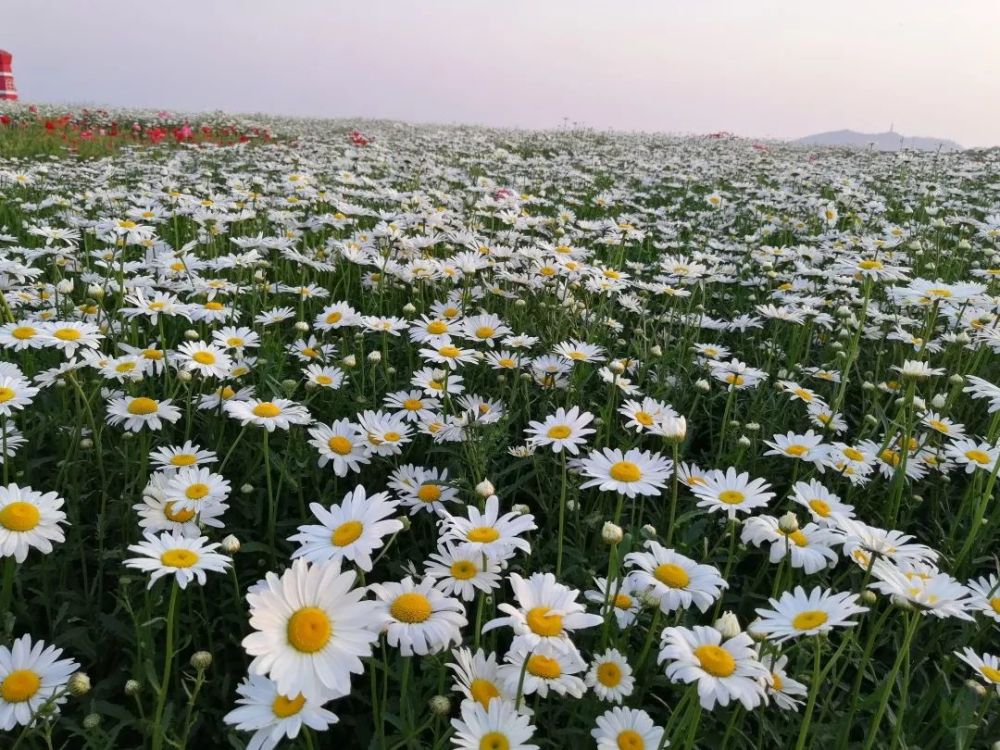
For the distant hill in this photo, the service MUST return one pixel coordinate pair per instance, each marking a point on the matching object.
(888, 141)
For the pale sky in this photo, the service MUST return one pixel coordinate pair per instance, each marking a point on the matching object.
(778, 68)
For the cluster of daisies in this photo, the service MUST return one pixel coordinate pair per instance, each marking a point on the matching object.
(446, 411)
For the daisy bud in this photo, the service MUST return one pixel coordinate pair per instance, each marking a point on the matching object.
(406, 522)
(259, 275)
(962, 338)
(485, 488)
(656, 350)
(902, 602)
(301, 326)
(65, 286)
(728, 625)
(782, 373)
(868, 597)
(132, 687)
(191, 335)
(520, 508)
(96, 291)
(616, 367)
(79, 684)
(289, 385)
(743, 442)
(349, 361)
(439, 705)
(439, 374)
(752, 426)
(184, 376)
(979, 689)
(871, 419)
(375, 356)
(86, 444)
(409, 309)
(939, 400)
(230, 545)
(868, 386)
(611, 533)
(392, 370)
(571, 505)
(649, 600)
(201, 660)
(91, 721)
(996, 745)
(246, 489)
(789, 523)
(519, 302)
(734, 423)
(919, 403)
(703, 385)
(674, 429)
(956, 379)
(649, 530)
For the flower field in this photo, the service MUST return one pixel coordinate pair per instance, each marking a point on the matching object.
(385, 436)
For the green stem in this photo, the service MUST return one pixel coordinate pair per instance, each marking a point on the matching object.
(168, 660)
(911, 628)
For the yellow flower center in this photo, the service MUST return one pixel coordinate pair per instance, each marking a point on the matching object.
(672, 575)
(196, 491)
(796, 450)
(20, 685)
(449, 351)
(820, 507)
(179, 558)
(483, 534)
(204, 358)
(213, 305)
(125, 367)
(234, 341)
(323, 379)
(995, 604)
(506, 362)
(177, 516)
(870, 265)
(154, 354)
(483, 691)
(854, 454)
(715, 660)
(544, 667)
(559, 432)
(776, 682)
(629, 739)
(23, 332)
(609, 674)
(428, 493)
(623, 601)
(625, 471)
(811, 618)
(413, 404)
(542, 623)
(732, 497)
(980, 457)
(485, 332)
(391, 437)
(226, 392)
(643, 418)
(347, 533)
(6, 394)
(734, 379)
(463, 570)
(494, 741)
(267, 410)
(798, 538)
(309, 630)
(803, 394)
(437, 327)
(411, 607)
(991, 674)
(284, 707)
(340, 445)
(142, 406)
(19, 516)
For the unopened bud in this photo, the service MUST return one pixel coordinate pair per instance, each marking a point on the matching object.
(201, 660)
(301, 326)
(728, 625)
(743, 442)
(868, 597)
(521, 509)
(788, 523)
(349, 361)
(191, 335)
(79, 684)
(184, 376)
(230, 545)
(91, 721)
(132, 687)
(96, 291)
(611, 533)
(649, 531)
(485, 488)
(439, 705)
(65, 286)
(246, 489)
(86, 444)
(375, 356)
(703, 385)
(979, 689)
(409, 309)
(656, 350)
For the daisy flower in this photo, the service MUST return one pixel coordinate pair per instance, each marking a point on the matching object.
(823, 505)
(449, 355)
(174, 457)
(809, 548)
(456, 571)
(807, 447)
(412, 405)
(31, 676)
(424, 489)
(236, 338)
(488, 532)
(157, 513)
(417, 618)
(271, 716)
(725, 670)
(986, 596)
(610, 676)
(437, 383)
(645, 414)
(547, 612)
(311, 630)
(730, 492)
(29, 519)
(580, 351)
(349, 531)
(185, 558)
(631, 473)
(987, 667)
(337, 315)
(324, 376)
(477, 676)
(137, 412)
(208, 360)
(564, 429)
(862, 542)
(785, 691)
(624, 600)
(342, 443)
(385, 434)
(543, 668)
(496, 727)
(973, 455)
(280, 413)
(15, 393)
(676, 581)
(71, 335)
(924, 587)
(797, 613)
(627, 729)
(190, 487)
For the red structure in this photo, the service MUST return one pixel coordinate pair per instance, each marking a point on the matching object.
(8, 92)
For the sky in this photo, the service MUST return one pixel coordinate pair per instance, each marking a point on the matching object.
(763, 68)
